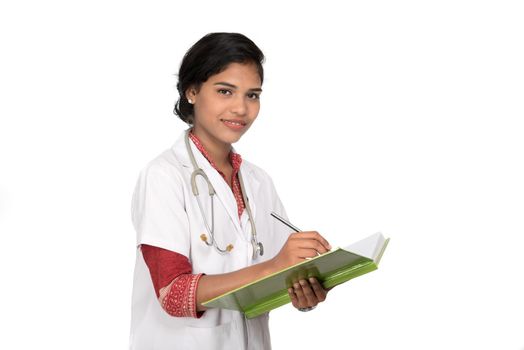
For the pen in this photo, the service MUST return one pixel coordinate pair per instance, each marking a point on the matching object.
(285, 222)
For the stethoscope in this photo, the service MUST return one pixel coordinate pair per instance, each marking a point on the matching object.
(258, 247)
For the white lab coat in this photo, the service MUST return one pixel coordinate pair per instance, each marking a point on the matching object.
(165, 214)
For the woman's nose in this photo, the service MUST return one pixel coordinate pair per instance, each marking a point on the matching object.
(239, 106)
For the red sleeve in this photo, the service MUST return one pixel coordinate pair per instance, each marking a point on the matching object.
(174, 285)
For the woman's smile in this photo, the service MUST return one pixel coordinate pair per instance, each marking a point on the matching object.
(235, 125)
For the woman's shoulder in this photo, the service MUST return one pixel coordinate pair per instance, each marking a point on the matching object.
(257, 172)
(253, 168)
(165, 164)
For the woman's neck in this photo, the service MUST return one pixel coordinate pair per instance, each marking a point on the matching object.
(217, 150)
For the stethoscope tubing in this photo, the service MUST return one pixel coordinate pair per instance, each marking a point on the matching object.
(258, 247)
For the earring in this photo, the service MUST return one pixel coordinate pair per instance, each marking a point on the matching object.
(190, 101)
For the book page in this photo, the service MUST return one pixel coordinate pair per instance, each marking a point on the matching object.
(368, 247)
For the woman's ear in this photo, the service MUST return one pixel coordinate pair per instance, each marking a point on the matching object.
(191, 94)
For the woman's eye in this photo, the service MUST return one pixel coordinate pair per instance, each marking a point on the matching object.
(254, 96)
(224, 92)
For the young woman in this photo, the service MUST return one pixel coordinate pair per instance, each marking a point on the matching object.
(202, 213)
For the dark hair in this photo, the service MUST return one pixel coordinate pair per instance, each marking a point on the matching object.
(209, 56)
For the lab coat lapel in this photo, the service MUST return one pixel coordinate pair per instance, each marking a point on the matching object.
(252, 186)
(223, 192)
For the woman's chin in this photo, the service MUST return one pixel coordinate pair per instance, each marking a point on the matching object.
(233, 136)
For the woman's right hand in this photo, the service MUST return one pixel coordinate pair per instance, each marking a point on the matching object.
(299, 246)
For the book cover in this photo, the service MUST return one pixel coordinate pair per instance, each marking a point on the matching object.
(332, 268)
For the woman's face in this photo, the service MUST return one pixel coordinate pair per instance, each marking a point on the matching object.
(226, 104)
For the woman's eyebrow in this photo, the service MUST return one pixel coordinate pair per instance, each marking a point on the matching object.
(234, 86)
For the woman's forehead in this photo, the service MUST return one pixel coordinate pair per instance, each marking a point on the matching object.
(243, 75)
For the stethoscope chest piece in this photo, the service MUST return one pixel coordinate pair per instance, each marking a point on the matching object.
(258, 248)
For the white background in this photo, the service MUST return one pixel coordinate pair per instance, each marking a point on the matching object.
(403, 117)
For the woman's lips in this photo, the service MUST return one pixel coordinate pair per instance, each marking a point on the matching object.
(234, 124)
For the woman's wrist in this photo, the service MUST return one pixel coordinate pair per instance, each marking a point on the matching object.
(270, 267)
(211, 286)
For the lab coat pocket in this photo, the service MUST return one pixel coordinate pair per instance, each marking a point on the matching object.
(224, 336)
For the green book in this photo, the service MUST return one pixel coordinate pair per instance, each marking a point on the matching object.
(331, 268)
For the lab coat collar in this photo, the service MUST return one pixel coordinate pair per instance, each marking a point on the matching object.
(223, 191)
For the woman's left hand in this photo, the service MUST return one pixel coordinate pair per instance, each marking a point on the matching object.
(307, 293)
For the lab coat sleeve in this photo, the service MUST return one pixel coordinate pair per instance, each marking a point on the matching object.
(158, 210)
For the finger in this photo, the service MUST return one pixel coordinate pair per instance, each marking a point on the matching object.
(312, 244)
(301, 299)
(306, 253)
(293, 297)
(311, 298)
(319, 291)
(314, 236)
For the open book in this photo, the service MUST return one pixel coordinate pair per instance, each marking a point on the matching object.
(332, 268)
